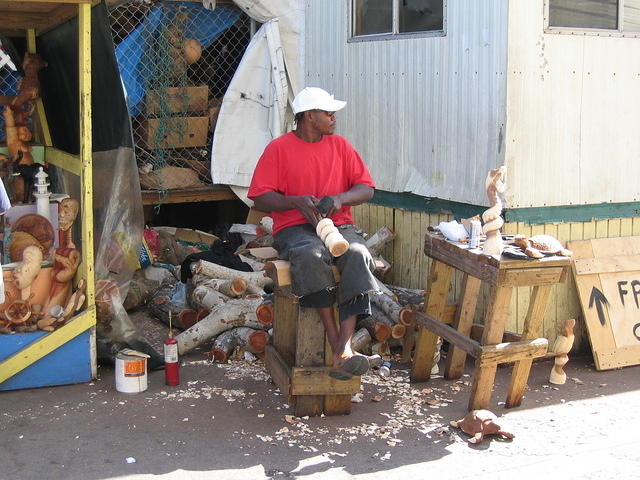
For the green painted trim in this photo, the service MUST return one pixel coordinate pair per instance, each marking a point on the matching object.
(532, 215)
(411, 201)
(573, 213)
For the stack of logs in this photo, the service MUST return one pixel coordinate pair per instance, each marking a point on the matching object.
(233, 309)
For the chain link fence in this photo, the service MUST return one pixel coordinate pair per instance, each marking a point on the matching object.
(176, 60)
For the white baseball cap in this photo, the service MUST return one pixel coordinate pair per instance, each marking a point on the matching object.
(314, 98)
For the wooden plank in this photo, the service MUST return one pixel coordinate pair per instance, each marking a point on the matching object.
(462, 323)
(279, 371)
(610, 296)
(548, 328)
(284, 328)
(435, 303)
(316, 381)
(495, 321)
(591, 266)
(211, 193)
(513, 351)
(463, 342)
(531, 276)
(66, 161)
(477, 331)
(618, 357)
(532, 328)
(309, 353)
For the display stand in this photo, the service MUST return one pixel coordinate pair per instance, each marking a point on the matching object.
(66, 355)
(503, 275)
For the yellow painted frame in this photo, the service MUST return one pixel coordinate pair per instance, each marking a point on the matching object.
(80, 165)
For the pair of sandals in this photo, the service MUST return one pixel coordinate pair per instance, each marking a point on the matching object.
(356, 365)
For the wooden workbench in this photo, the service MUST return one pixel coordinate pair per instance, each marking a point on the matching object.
(502, 275)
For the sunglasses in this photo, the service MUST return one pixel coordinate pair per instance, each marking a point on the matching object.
(329, 114)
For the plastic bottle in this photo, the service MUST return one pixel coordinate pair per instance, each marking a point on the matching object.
(385, 369)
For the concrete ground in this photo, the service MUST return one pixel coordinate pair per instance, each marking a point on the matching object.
(230, 422)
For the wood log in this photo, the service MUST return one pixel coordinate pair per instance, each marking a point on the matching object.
(265, 312)
(379, 330)
(383, 288)
(208, 298)
(382, 267)
(160, 306)
(389, 306)
(361, 341)
(411, 297)
(253, 340)
(223, 346)
(376, 242)
(398, 331)
(227, 315)
(234, 287)
(213, 270)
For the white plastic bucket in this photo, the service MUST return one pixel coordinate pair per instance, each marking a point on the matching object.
(131, 373)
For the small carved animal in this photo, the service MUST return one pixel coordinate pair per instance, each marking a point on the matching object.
(479, 423)
(539, 246)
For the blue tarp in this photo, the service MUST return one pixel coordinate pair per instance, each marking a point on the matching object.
(203, 25)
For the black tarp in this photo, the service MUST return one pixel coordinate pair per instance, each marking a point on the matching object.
(60, 82)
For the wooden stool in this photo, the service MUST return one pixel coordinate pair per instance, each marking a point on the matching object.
(503, 275)
(299, 358)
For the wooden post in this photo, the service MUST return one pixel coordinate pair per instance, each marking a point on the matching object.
(435, 302)
(462, 322)
(309, 353)
(531, 330)
(495, 320)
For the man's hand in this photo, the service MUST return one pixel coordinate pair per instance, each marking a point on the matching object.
(329, 205)
(306, 204)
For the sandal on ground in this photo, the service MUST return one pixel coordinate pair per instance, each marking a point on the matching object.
(356, 365)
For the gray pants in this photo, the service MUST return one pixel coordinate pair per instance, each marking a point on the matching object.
(311, 274)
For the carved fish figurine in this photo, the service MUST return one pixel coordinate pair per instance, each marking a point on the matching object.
(539, 246)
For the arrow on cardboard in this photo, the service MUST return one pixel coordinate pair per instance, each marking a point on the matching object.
(598, 298)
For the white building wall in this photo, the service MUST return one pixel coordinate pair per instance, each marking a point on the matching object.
(427, 114)
(573, 114)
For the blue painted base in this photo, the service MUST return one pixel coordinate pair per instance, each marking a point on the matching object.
(69, 363)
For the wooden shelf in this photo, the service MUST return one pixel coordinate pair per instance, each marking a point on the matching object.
(210, 193)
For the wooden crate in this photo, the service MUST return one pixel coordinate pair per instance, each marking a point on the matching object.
(184, 132)
(179, 99)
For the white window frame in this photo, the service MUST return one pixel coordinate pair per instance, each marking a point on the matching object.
(598, 32)
(394, 34)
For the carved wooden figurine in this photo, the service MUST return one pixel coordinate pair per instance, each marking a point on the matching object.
(479, 423)
(492, 221)
(67, 214)
(561, 348)
(332, 238)
(66, 262)
(28, 269)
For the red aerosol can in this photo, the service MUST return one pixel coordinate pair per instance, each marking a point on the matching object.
(171, 362)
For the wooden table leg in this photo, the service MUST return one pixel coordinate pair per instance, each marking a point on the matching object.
(495, 320)
(462, 323)
(334, 404)
(532, 329)
(437, 291)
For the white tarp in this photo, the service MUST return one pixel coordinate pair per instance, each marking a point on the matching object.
(255, 108)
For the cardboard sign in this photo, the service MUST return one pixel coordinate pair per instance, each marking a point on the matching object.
(607, 274)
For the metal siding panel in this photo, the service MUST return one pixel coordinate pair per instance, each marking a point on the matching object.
(425, 113)
(572, 114)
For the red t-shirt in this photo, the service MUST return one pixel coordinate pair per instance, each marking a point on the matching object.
(292, 167)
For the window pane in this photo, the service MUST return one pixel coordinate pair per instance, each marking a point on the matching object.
(631, 19)
(584, 13)
(420, 15)
(373, 16)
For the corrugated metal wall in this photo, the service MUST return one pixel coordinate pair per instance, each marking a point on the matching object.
(427, 114)
(573, 114)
